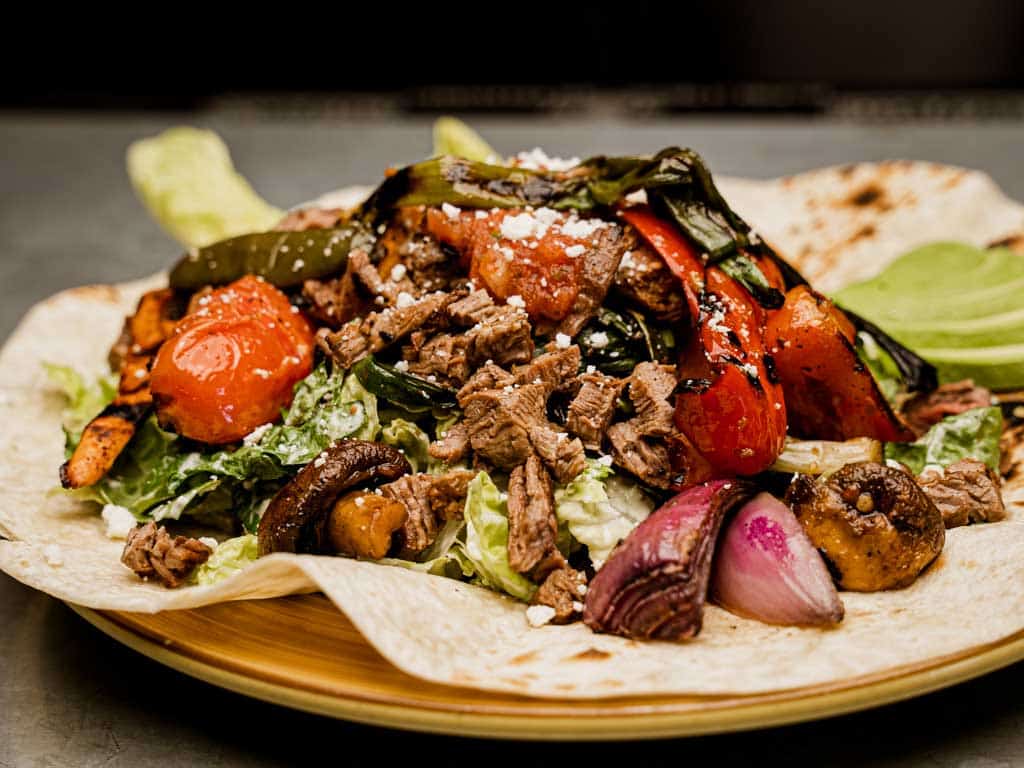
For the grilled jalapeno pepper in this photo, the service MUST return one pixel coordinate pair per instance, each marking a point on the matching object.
(281, 258)
(402, 389)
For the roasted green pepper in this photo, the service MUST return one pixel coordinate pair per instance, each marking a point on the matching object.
(402, 389)
(282, 258)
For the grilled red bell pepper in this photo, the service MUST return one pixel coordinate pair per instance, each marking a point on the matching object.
(830, 393)
(729, 407)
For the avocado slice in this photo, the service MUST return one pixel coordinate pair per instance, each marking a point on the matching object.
(959, 307)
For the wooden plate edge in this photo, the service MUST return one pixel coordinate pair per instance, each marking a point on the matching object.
(648, 725)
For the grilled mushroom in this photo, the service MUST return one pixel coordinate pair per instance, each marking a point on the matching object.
(301, 517)
(873, 524)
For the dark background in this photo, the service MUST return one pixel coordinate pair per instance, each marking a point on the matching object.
(938, 58)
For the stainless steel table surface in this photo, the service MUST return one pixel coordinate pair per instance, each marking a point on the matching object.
(71, 696)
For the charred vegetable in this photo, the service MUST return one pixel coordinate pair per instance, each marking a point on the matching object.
(231, 366)
(729, 409)
(766, 568)
(403, 389)
(299, 516)
(655, 582)
(102, 441)
(362, 524)
(829, 392)
(281, 258)
(873, 525)
(615, 342)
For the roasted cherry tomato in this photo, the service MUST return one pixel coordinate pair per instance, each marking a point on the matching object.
(231, 366)
(729, 408)
(830, 393)
(537, 255)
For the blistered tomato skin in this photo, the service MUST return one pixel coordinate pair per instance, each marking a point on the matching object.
(231, 366)
(544, 269)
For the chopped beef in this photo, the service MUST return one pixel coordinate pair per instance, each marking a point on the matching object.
(592, 409)
(430, 501)
(346, 346)
(381, 329)
(499, 422)
(645, 281)
(505, 337)
(453, 445)
(563, 590)
(443, 356)
(472, 309)
(648, 460)
(334, 302)
(395, 323)
(310, 218)
(928, 408)
(489, 376)
(966, 492)
(563, 456)
(532, 525)
(650, 388)
(554, 369)
(428, 266)
(599, 265)
(151, 551)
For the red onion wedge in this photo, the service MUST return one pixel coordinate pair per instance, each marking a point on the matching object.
(767, 569)
(655, 583)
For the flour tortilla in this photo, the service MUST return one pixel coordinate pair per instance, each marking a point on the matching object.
(836, 225)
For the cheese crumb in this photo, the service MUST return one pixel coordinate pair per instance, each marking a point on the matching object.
(263, 373)
(516, 301)
(575, 250)
(398, 272)
(298, 264)
(537, 160)
(577, 606)
(599, 340)
(627, 261)
(257, 434)
(563, 340)
(480, 215)
(605, 461)
(539, 615)
(119, 521)
(518, 227)
(402, 366)
(405, 299)
(451, 211)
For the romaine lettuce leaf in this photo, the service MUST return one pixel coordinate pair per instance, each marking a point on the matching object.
(453, 137)
(84, 400)
(228, 558)
(487, 539)
(159, 474)
(600, 509)
(186, 179)
(972, 434)
(412, 441)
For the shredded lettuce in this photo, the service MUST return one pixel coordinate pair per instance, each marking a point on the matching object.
(487, 539)
(412, 441)
(972, 434)
(188, 183)
(445, 557)
(159, 475)
(600, 509)
(228, 558)
(84, 400)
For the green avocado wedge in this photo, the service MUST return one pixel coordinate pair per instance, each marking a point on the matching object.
(958, 306)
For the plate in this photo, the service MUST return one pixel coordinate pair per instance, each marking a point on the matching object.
(301, 652)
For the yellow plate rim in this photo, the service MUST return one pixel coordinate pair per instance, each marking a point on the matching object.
(645, 725)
